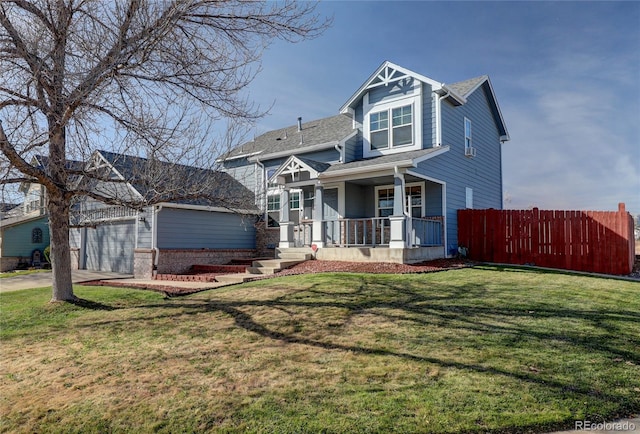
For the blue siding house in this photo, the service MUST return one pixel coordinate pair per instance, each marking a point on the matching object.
(163, 236)
(383, 179)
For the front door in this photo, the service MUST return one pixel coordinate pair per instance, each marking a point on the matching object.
(331, 216)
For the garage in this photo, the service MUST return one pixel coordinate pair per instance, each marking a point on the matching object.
(110, 247)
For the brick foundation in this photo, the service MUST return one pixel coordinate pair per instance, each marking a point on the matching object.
(75, 259)
(9, 263)
(178, 261)
(267, 240)
(143, 263)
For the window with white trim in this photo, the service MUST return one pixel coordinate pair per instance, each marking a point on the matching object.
(468, 142)
(392, 119)
(273, 202)
(400, 133)
(469, 197)
(294, 200)
(415, 200)
(273, 209)
(385, 202)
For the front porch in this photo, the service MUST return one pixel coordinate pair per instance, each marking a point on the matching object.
(369, 239)
(357, 217)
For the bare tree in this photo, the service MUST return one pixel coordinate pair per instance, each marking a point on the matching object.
(151, 78)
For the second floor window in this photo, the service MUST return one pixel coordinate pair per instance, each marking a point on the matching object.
(399, 133)
(467, 134)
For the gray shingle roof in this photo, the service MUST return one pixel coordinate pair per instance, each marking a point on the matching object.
(160, 181)
(463, 88)
(383, 160)
(315, 165)
(317, 132)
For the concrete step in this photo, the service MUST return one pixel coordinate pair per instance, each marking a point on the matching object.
(295, 256)
(263, 270)
(276, 263)
(297, 252)
(234, 278)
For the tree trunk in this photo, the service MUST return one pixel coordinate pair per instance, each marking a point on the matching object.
(58, 209)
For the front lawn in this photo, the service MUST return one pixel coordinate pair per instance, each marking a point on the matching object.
(473, 350)
(15, 273)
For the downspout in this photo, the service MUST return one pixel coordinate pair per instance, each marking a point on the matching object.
(439, 117)
(154, 236)
(264, 189)
(338, 148)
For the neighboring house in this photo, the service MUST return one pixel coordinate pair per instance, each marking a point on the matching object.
(383, 180)
(23, 240)
(168, 236)
(24, 229)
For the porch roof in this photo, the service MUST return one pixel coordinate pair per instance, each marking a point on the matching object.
(402, 159)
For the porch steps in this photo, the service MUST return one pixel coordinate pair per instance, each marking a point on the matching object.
(263, 267)
(295, 253)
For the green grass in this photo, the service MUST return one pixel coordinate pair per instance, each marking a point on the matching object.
(473, 350)
(20, 273)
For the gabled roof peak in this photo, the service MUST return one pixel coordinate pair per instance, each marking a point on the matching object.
(390, 72)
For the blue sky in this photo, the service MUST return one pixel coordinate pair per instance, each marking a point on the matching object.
(566, 75)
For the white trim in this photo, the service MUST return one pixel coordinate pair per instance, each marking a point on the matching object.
(301, 150)
(237, 157)
(444, 205)
(505, 137)
(289, 168)
(383, 166)
(377, 188)
(114, 170)
(464, 133)
(414, 100)
(207, 208)
(435, 85)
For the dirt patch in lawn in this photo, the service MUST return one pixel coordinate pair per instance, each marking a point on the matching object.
(374, 267)
(307, 267)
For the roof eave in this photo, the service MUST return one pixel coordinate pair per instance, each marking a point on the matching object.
(363, 89)
(287, 153)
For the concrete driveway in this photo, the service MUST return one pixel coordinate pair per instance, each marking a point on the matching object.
(43, 279)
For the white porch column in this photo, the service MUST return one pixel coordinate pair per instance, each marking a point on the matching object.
(397, 236)
(318, 216)
(286, 226)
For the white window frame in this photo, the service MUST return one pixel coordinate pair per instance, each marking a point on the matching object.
(270, 195)
(414, 100)
(468, 194)
(300, 200)
(407, 186)
(468, 138)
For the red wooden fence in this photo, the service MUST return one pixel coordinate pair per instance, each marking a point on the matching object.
(595, 241)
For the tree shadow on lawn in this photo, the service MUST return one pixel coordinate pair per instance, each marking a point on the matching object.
(467, 308)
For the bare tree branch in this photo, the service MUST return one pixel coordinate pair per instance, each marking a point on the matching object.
(156, 83)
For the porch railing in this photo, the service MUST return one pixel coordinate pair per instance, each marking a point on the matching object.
(373, 231)
(302, 234)
(426, 232)
(91, 216)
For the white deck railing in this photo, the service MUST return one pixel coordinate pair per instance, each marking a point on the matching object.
(90, 216)
(371, 232)
(426, 232)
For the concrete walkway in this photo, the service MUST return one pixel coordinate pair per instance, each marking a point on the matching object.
(43, 279)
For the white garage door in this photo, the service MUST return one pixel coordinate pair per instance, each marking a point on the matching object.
(110, 247)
